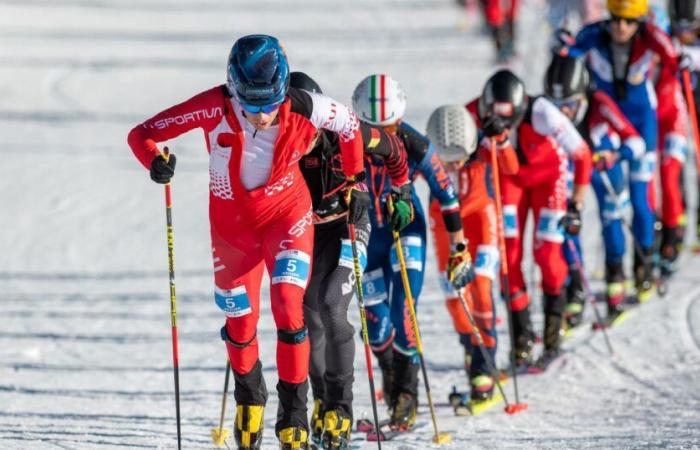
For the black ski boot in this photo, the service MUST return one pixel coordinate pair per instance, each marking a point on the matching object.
(292, 426)
(615, 292)
(404, 397)
(524, 337)
(251, 395)
(643, 274)
(671, 246)
(385, 358)
(575, 298)
(553, 320)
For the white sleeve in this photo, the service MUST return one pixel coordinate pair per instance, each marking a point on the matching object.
(334, 116)
(693, 52)
(547, 120)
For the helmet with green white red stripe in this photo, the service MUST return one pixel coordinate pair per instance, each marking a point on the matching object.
(379, 100)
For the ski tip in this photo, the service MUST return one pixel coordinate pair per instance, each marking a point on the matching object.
(442, 438)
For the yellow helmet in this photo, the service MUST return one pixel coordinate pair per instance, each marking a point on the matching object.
(628, 9)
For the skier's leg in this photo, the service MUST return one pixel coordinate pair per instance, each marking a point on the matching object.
(288, 246)
(237, 275)
(673, 209)
(549, 208)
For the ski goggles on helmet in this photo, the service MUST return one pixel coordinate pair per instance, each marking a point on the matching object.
(257, 109)
(572, 103)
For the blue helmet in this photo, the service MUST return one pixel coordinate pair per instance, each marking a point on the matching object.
(258, 72)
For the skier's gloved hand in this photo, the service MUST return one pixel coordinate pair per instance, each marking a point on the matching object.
(571, 222)
(460, 270)
(402, 213)
(357, 198)
(603, 160)
(161, 170)
(685, 61)
(493, 126)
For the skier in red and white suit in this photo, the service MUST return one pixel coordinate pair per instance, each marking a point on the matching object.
(546, 139)
(260, 211)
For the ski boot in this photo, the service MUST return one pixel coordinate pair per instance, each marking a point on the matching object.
(317, 422)
(293, 438)
(248, 426)
(615, 290)
(575, 299)
(671, 246)
(524, 337)
(643, 274)
(481, 387)
(385, 358)
(404, 398)
(337, 427)
(466, 341)
(553, 320)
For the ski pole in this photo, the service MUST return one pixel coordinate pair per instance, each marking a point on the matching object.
(438, 438)
(510, 407)
(173, 300)
(505, 284)
(616, 199)
(589, 293)
(220, 434)
(363, 322)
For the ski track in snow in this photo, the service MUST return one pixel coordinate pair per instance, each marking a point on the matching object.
(85, 356)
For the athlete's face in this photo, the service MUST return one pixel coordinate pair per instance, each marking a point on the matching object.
(623, 30)
(262, 120)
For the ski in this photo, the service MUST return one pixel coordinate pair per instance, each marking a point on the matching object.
(543, 363)
(367, 425)
(607, 323)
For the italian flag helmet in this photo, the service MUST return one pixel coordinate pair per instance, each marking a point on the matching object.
(379, 100)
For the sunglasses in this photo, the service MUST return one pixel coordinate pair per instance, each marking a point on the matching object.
(571, 103)
(257, 109)
(618, 19)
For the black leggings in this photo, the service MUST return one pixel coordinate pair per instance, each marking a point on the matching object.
(326, 302)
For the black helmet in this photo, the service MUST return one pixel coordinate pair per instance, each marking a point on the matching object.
(504, 96)
(300, 80)
(684, 14)
(258, 72)
(566, 76)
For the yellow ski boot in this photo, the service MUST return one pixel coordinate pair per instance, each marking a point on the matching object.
(248, 426)
(337, 427)
(293, 438)
(317, 422)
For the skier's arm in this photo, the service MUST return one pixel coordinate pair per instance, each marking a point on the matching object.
(631, 145)
(547, 120)
(586, 39)
(390, 148)
(692, 56)
(505, 155)
(197, 112)
(329, 114)
(442, 190)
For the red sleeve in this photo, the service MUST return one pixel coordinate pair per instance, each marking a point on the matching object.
(473, 108)
(606, 109)
(397, 162)
(661, 44)
(201, 111)
(352, 155)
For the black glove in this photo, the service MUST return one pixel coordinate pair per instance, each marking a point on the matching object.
(402, 215)
(493, 126)
(572, 219)
(358, 200)
(161, 170)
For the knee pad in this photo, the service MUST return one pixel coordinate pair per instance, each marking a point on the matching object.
(413, 249)
(292, 336)
(374, 287)
(233, 302)
(226, 338)
(548, 226)
(486, 261)
(510, 221)
(291, 267)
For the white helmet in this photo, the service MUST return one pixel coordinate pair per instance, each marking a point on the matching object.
(379, 100)
(452, 131)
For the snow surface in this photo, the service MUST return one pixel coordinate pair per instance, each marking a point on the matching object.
(85, 356)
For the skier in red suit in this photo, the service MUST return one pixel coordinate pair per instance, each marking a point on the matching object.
(256, 129)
